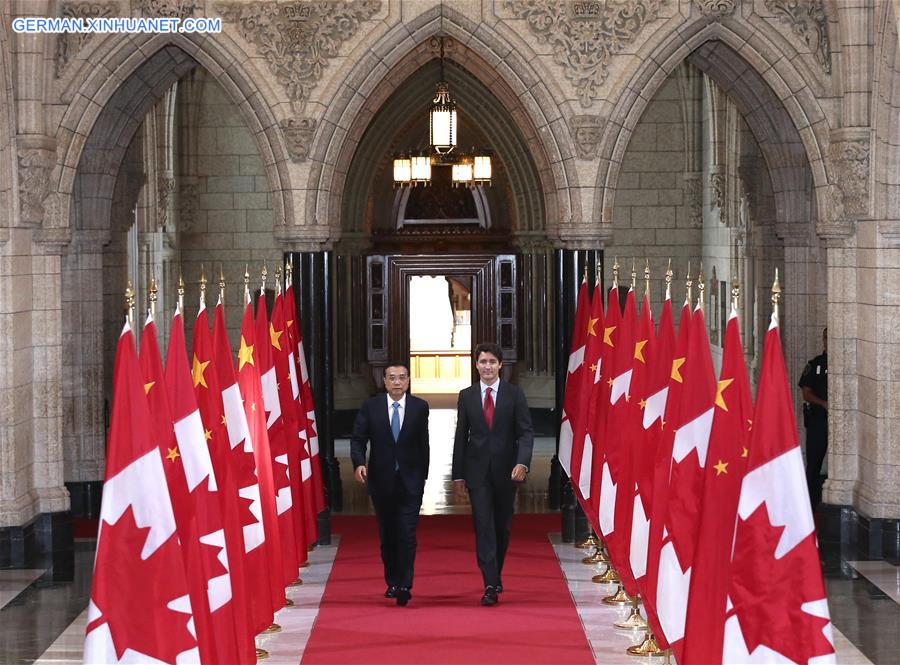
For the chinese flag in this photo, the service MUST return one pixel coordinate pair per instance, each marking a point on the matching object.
(278, 447)
(288, 394)
(571, 399)
(651, 400)
(205, 379)
(726, 462)
(215, 552)
(181, 478)
(691, 432)
(140, 608)
(254, 408)
(313, 495)
(778, 611)
(260, 605)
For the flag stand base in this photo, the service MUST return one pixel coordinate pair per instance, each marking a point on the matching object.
(274, 628)
(634, 621)
(261, 654)
(610, 576)
(646, 648)
(296, 582)
(305, 564)
(618, 598)
(288, 602)
(590, 541)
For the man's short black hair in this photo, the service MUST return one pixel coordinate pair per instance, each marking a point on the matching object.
(395, 364)
(489, 347)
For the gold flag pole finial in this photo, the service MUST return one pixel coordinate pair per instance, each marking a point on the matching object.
(688, 285)
(584, 273)
(647, 278)
(129, 303)
(180, 292)
(289, 272)
(246, 282)
(202, 288)
(278, 280)
(735, 294)
(221, 284)
(701, 288)
(670, 274)
(153, 295)
(633, 273)
(616, 272)
(776, 296)
(264, 274)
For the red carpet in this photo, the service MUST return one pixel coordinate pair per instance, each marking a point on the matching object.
(535, 621)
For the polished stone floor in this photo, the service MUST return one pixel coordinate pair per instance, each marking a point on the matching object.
(42, 620)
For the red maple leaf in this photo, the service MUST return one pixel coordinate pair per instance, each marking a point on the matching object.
(246, 517)
(280, 478)
(768, 593)
(133, 594)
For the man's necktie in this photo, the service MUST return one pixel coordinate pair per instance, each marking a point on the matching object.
(395, 422)
(489, 408)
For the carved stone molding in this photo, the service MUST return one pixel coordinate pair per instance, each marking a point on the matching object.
(69, 43)
(587, 130)
(720, 197)
(585, 34)
(298, 135)
(35, 165)
(716, 8)
(188, 203)
(298, 38)
(890, 232)
(808, 20)
(584, 236)
(165, 188)
(90, 241)
(168, 8)
(834, 222)
(849, 158)
(52, 242)
(693, 197)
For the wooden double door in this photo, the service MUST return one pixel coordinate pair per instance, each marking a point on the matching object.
(494, 302)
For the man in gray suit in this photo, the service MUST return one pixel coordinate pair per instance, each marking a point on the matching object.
(491, 455)
(396, 425)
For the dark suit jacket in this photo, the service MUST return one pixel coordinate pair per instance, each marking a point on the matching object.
(410, 452)
(477, 449)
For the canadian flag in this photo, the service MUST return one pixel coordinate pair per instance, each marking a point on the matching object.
(571, 397)
(289, 394)
(140, 610)
(582, 449)
(307, 402)
(205, 378)
(726, 462)
(651, 400)
(205, 496)
(777, 611)
(691, 432)
(267, 337)
(243, 464)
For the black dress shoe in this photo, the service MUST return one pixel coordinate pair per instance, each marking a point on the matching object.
(490, 596)
(499, 588)
(403, 596)
(391, 592)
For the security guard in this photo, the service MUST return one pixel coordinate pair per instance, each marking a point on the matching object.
(814, 383)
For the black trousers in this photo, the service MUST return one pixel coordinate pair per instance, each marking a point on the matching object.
(397, 515)
(492, 513)
(816, 447)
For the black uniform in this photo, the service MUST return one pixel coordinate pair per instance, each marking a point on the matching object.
(815, 419)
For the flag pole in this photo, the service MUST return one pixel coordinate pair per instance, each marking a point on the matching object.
(180, 301)
(264, 274)
(202, 288)
(151, 310)
(688, 285)
(221, 285)
(701, 287)
(592, 540)
(129, 304)
(669, 276)
(776, 298)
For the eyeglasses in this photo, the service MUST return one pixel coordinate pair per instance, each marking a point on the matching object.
(397, 377)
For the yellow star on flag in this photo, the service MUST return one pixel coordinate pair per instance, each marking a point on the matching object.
(744, 451)
(591, 324)
(275, 335)
(253, 407)
(720, 400)
(609, 381)
(676, 369)
(223, 418)
(245, 354)
(749, 424)
(290, 323)
(593, 368)
(607, 335)
(173, 454)
(148, 387)
(721, 467)
(208, 434)
(639, 350)
(197, 372)
(642, 403)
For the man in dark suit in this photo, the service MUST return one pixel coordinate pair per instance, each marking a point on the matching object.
(396, 425)
(491, 454)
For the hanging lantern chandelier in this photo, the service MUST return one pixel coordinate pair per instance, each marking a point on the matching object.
(466, 169)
